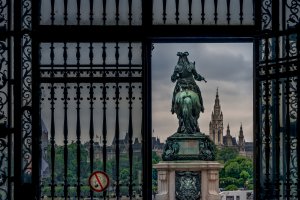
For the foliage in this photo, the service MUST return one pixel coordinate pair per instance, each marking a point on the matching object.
(226, 153)
(237, 171)
(86, 169)
(231, 187)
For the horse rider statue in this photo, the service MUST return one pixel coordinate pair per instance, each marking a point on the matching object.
(187, 100)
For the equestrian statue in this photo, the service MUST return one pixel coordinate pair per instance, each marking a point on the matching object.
(188, 143)
(187, 101)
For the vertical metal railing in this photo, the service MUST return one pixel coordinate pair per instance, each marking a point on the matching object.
(52, 140)
(165, 12)
(277, 107)
(78, 98)
(287, 188)
(6, 99)
(91, 12)
(266, 122)
(82, 76)
(130, 125)
(203, 12)
(276, 121)
(104, 123)
(298, 112)
(117, 130)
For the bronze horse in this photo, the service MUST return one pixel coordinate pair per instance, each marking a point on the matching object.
(187, 101)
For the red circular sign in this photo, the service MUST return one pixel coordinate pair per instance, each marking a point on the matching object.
(99, 181)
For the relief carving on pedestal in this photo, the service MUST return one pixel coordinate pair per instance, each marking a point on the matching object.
(187, 185)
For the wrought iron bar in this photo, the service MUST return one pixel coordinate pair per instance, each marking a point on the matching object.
(91, 11)
(52, 139)
(65, 133)
(228, 11)
(216, 11)
(52, 129)
(78, 12)
(257, 119)
(78, 141)
(276, 123)
(146, 121)
(85, 66)
(117, 125)
(65, 12)
(9, 106)
(52, 12)
(104, 12)
(130, 12)
(91, 57)
(78, 66)
(65, 57)
(177, 11)
(104, 123)
(298, 113)
(241, 11)
(267, 123)
(91, 98)
(203, 11)
(117, 17)
(130, 125)
(17, 99)
(287, 124)
(78, 98)
(164, 11)
(190, 12)
(254, 5)
(93, 79)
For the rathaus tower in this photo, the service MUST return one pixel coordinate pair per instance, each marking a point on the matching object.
(216, 123)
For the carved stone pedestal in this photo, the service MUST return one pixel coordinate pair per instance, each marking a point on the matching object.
(190, 180)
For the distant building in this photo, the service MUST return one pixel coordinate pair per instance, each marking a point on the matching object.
(237, 195)
(216, 123)
(216, 132)
(157, 147)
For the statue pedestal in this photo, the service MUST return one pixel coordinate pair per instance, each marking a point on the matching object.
(203, 174)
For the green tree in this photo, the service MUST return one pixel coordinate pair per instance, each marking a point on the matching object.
(226, 153)
(124, 175)
(231, 187)
(232, 169)
(237, 171)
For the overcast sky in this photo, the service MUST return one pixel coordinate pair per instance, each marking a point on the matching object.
(227, 66)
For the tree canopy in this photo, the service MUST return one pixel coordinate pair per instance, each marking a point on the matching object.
(237, 171)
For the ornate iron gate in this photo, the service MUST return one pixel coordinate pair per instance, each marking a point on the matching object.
(277, 100)
(63, 72)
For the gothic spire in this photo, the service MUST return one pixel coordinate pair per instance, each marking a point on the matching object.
(241, 139)
(217, 101)
(241, 131)
(228, 130)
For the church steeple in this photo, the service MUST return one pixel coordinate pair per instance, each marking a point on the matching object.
(241, 139)
(217, 107)
(228, 137)
(228, 130)
(241, 131)
(216, 124)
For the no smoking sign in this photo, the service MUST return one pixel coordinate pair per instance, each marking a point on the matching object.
(99, 181)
